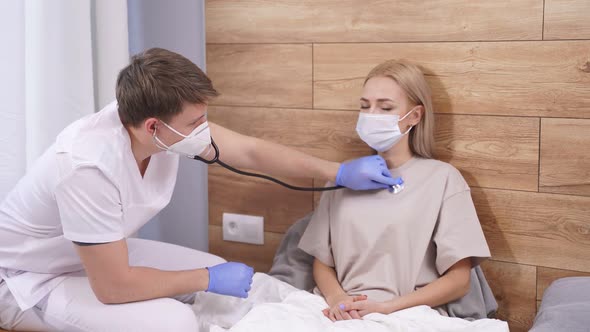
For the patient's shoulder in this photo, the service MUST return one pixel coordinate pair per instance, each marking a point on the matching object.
(435, 165)
(438, 168)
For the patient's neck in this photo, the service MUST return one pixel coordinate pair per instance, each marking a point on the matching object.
(398, 154)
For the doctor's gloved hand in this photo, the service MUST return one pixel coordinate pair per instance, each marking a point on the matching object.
(365, 173)
(233, 279)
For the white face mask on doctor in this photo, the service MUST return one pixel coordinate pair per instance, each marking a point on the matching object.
(380, 131)
(191, 145)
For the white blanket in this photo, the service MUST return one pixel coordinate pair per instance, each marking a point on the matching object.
(273, 305)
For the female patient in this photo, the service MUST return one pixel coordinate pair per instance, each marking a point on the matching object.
(399, 250)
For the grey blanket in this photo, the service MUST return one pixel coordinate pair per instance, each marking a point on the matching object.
(294, 266)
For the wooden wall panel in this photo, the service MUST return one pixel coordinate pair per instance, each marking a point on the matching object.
(545, 276)
(494, 152)
(513, 116)
(233, 193)
(514, 288)
(565, 156)
(534, 228)
(261, 75)
(258, 21)
(490, 151)
(567, 19)
(255, 21)
(327, 134)
(549, 79)
(258, 256)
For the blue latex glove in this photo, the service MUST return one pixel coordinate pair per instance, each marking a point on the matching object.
(365, 173)
(234, 279)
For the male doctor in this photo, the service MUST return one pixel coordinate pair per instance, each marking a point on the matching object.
(66, 262)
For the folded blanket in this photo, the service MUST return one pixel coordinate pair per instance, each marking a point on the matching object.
(276, 306)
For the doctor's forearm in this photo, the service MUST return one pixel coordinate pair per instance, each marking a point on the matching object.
(279, 160)
(144, 283)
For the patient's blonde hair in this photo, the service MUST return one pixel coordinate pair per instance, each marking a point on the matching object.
(411, 79)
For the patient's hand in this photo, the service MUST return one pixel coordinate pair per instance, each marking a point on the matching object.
(365, 307)
(335, 312)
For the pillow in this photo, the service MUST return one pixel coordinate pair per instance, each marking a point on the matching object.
(565, 306)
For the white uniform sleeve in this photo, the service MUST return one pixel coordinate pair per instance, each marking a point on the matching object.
(90, 207)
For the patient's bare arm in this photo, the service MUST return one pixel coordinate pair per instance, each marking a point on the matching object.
(453, 285)
(327, 281)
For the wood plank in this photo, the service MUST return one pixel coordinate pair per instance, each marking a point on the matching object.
(261, 75)
(284, 21)
(545, 276)
(490, 151)
(495, 152)
(260, 257)
(565, 156)
(548, 79)
(567, 19)
(233, 193)
(258, 21)
(540, 229)
(513, 286)
(329, 135)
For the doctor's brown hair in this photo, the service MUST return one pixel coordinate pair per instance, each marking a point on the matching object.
(157, 83)
(411, 79)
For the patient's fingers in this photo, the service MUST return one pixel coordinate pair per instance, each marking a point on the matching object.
(338, 315)
(345, 315)
(359, 298)
(332, 316)
(354, 314)
(326, 312)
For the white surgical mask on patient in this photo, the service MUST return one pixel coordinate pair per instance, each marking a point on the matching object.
(380, 131)
(191, 145)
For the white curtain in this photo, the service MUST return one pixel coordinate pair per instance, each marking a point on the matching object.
(59, 62)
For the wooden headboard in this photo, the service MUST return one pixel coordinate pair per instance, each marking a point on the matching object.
(511, 83)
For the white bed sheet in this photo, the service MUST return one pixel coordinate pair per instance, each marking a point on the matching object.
(273, 305)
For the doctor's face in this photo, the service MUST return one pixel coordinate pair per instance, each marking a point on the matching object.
(192, 116)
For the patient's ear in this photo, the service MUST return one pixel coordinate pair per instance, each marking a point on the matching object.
(416, 116)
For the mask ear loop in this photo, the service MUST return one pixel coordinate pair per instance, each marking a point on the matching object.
(159, 142)
(405, 116)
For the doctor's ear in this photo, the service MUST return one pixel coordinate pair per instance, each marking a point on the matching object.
(151, 125)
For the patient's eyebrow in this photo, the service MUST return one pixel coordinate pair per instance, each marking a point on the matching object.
(379, 100)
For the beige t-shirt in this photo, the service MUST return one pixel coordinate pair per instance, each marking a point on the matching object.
(387, 245)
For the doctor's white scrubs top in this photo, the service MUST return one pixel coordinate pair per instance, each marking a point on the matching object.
(86, 188)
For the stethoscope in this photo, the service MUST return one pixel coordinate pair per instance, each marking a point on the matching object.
(396, 188)
(216, 160)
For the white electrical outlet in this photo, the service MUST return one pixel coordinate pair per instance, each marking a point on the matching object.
(243, 228)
